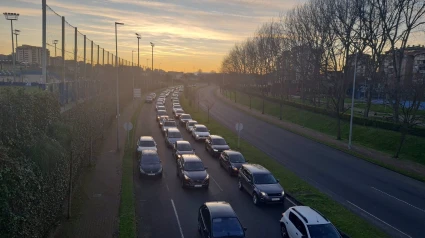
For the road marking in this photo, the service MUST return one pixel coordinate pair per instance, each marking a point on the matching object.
(177, 217)
(389, 195)
(378, 219)
(216, 183)
(291, 201)
(167, 187)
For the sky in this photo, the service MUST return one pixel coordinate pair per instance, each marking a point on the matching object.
(188, 34)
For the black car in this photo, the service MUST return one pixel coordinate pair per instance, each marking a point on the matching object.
(150, 164)
(261, 184)
(215, 145)
(218, 219)
(192, 172)
(160, 113)
(182, 147)
(232, 161)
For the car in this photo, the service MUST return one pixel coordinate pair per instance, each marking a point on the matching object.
(182, 147)
(215, 144)
(162, 119)
(192, 172)
(167, 125)
(149, 99)
(200, 132)
(160, 107)
(160, 113)
(303, 221)
(176, 106)
(176, 101)
(232, 161)
(172, 135)
(260, 184)
(218, 219)
(178, 112)
(150, 165)
(190, 124)
(184, 118)
(153, 95)
(145, 143)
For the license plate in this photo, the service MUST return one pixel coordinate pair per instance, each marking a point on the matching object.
(275, 199)
(151, 174)
(198, 186)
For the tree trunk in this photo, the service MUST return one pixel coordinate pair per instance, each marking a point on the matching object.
(403, 131)
(338, 127)
(396, 109)
(368, 102)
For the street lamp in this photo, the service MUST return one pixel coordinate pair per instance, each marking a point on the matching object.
(55, 42)
(138, 52)
(16, 37)
(152, 44)
(12, 17)
(117, 85)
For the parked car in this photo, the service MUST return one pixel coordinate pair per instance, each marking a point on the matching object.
(218, 219)
(176, 107)
(192, 172)
(150, 165)
(178, 112)
(160, 113)
(162, 119)
(303, 221)
(160, 107)
(167, 125)
(145, 143)
(190, 124)
(260, 184)
(171, 136)
(184, 118)
(232, 161)
(215, 144)
(182, 147)
(200, 132)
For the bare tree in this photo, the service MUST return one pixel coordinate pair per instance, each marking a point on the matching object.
(209, 104)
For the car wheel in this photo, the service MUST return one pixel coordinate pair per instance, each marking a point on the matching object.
(255, 199)
(182, 183)
(240, 185)
(283, 231)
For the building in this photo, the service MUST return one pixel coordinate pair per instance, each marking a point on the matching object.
(6, 57)
(31, 55)
(364, 61)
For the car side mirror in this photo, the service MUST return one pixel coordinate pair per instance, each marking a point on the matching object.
(206, 167)
(278, 180)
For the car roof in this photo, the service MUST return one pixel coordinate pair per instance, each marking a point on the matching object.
(220, 209)
(146, 138)
(179, 110)
(149, 152)
(256, 168)
(190, 158)
(184, 114)
(200, 125)
(183, 142)
(161, 111)
(309, 215)
(216, 137)
(192, 121)
(173, 129)
(232, 152)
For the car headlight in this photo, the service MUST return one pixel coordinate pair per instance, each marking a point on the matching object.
(197, 135)
(234, 168)
(215, 150)
(186, 177)
(263, 194)
(283, 193)
(141, 170)
(208, 177)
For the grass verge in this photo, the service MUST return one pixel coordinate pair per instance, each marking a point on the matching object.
(288, 112)
(127, 214)
(344, 219)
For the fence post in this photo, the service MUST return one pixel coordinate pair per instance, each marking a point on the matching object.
(76, 80)
(62, 91)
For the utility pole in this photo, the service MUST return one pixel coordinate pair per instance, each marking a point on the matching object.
(117, 85)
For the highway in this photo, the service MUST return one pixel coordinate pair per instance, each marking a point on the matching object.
(392, 201)
(164, 209)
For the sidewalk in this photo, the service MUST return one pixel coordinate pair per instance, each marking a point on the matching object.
(96, 202)
(373, 156)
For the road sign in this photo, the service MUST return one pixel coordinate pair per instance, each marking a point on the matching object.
(239, 126)
(128, 126)
(137, 93)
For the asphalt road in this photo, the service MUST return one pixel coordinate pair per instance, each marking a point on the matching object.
(392, 201)
(164, 209)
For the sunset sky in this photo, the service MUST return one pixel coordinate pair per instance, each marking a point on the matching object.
(188, 34)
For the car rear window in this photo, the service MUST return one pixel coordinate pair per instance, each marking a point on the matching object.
(179, 111)
(162, 113)
(264, 178)
(237, 158)
(150, 159)
(186, 117)
(201, 129)
(323, 231)
(227, 227)
(174, 135)
(146, 143)
(184, 147)
(219, 142)
(169, 123)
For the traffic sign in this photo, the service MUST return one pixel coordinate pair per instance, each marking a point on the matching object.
(128, 126)
(137, 93)
(239, 126)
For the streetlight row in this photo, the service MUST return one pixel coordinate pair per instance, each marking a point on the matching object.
(10, 16)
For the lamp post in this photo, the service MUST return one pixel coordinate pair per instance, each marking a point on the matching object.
(117, 85)
(12, 17)
(16, 33)
(152, 44)
(55, 42)
(132, 66)
(138, 51)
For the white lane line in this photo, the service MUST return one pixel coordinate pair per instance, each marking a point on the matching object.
(177, 217)
(389, 195)
(167, 187)
(216, 183)
(291, 201)
(378, 219)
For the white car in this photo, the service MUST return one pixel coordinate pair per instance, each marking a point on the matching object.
(190, 124)
(303, 221)
(176, 107)
(145, 143)
(178, 112)
(200, 132)
(167, 125)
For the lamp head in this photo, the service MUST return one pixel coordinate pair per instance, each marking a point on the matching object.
(119, 23)
(11, 16)
(152, 44)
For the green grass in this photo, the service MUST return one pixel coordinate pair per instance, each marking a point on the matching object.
(344, 219)
(375, 138)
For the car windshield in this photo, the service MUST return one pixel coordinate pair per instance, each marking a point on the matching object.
(177, 106)
(323, 231)
(184, 147)
(237, 158)
(226, 227)
(161, 107)
(194, 166)
(186, 117)
(146, 143)
(150, 159)
(192, 123)
(169, 123)
(174, 135)
(201, 129)
(160, 113)
(264, 179)
(219, 142)
(179, 111)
